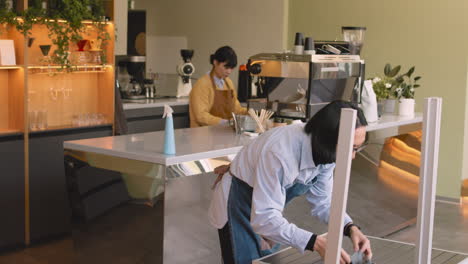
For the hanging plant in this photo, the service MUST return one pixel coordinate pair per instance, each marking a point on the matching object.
(74, 12)
(64, 21)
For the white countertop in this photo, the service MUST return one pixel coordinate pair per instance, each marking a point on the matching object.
(389, 120)
(192, 143)
(150, 103)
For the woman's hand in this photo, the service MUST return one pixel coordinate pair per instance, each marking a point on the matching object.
(360, 242)
(220, 170)
(321, 247)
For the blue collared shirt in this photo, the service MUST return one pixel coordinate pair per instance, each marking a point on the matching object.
(271, 164)
(219, 82)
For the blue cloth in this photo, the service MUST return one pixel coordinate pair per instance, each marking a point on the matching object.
(245, 242)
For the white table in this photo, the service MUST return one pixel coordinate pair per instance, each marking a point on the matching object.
(191, 145)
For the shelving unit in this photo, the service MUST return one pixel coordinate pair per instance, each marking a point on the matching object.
(88, 89)
(12, 86)
(31, 156)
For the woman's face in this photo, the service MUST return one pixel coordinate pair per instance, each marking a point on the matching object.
(220, 69)
(359, 139)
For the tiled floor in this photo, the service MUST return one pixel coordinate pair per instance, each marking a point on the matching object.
(131, 233)
(450, 228)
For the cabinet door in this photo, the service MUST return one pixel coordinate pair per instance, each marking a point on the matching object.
(145, 124)
(12, 191)
(50, 208)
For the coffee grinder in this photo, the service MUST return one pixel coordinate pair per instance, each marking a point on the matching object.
(355, 37)
(131, 76)
(185, 71)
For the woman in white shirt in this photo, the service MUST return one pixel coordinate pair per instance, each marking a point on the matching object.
(283, 163)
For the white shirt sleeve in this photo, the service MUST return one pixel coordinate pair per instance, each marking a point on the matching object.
(319, 196)
(268, 200)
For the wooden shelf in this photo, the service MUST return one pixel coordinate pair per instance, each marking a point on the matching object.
(6, 132)
(67, 127)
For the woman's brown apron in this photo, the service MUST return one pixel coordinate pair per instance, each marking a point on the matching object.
(223, 103)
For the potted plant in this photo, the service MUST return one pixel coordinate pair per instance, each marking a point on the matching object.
(405, 92)
(384, 89)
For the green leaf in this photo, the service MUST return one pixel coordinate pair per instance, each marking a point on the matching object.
(417, 78)
(416, 85)
(387, 69)
(410, 72)
(394, 71)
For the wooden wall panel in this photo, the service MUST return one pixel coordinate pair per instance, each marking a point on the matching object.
(16, 99)
(4, 103)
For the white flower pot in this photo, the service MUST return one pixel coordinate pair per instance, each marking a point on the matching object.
(406, 107)
(389, 106)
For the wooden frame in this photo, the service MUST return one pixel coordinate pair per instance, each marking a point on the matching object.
(427, 187)
(340, 185)
(428, 178)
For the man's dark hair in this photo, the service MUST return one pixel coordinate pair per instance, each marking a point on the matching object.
(225, 54)
(323, 129)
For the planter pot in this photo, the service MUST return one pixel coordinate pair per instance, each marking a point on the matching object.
(380, 107)
(389, 106)
(406, 107)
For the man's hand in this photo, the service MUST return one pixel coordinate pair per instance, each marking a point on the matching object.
(321, 247)
(220, 170)
(360, 242)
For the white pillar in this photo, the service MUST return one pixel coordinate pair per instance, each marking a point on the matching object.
(428, 178)
(340, 185)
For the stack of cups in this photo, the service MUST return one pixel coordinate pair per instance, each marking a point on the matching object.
(309, 46)
(299, 43)
(303, 48)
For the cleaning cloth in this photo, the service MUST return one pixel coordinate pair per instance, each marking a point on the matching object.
(359, 258)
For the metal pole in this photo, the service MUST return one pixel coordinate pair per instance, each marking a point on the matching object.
(428, 178)
(340, 185)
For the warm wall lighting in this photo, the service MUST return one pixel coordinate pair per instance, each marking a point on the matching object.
(398, 179)
(399, 150)
(464, 206)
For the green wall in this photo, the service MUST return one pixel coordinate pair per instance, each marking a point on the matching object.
(432, 35)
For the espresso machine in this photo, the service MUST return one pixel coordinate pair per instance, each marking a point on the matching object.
(131, 76)
(296, 86)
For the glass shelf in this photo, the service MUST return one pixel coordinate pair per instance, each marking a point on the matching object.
(53, 69)
(11, 67)
(65, 21)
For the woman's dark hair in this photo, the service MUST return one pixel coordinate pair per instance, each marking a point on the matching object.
(323, 128)
(225, 54)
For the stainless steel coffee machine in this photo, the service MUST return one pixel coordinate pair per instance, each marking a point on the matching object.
(297, 86)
